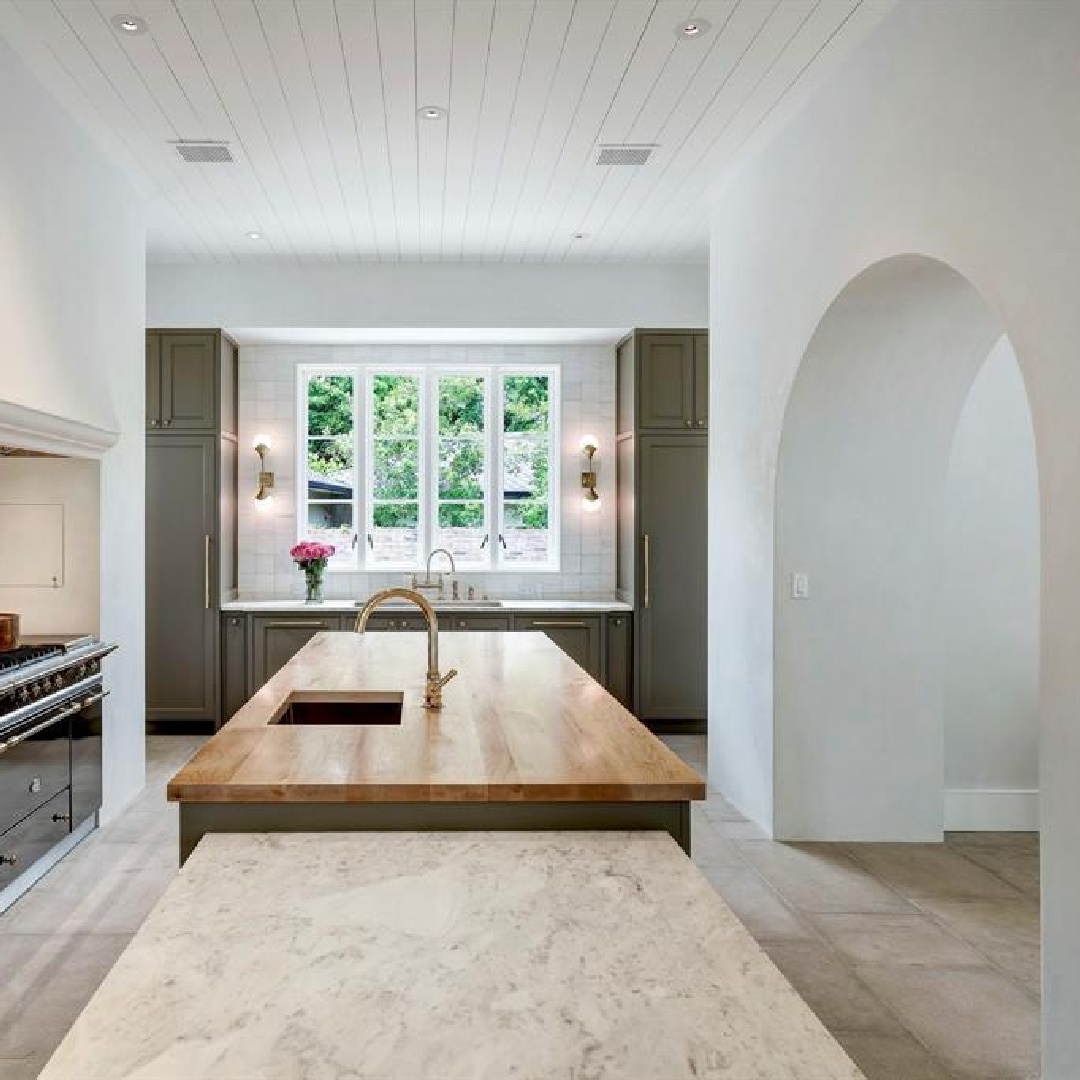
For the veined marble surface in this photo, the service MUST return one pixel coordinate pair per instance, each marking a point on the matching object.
(451, 956)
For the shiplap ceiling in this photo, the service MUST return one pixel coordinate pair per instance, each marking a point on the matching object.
(318, 103)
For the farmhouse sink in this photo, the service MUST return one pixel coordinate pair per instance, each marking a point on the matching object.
(342, 710)
(439, 605)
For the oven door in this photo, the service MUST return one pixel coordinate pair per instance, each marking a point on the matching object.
(35, 765)
(86, 760)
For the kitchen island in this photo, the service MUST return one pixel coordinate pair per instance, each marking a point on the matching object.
(339, 740)
(434, 956)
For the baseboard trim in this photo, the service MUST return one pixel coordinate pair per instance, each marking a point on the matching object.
(991, 810)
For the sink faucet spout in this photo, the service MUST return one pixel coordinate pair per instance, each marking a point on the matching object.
(434, 682)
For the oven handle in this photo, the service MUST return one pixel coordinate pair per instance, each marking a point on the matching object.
(75, 707)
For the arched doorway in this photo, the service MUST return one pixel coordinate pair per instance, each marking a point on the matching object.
(859, 745)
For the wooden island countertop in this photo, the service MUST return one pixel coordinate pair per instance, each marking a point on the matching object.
(521, 725)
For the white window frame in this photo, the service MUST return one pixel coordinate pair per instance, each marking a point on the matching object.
(363, 375)
(341, 562)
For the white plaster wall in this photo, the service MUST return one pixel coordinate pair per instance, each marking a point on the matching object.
(427, 295)
(859, 725)
(267, 400)
(949, 133)
(990, 606)
(73, 484)
(72, 304)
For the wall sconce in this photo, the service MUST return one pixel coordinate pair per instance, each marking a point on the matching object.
(266, 479)
(590, 500)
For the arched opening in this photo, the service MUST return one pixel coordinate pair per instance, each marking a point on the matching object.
(863, 627)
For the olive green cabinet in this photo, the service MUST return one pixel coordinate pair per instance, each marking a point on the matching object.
(276, 640)
(182, 380)
(619, 662)
(662, 484)
(672, 511)
(452, 621)
(191, 557)
(578, 636)
(234, 665)
(181, 617)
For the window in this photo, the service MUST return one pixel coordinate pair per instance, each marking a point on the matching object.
(330, 463)
(451, 457)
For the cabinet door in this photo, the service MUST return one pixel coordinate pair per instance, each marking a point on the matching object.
(666, 381)
(234, 681)
(153, 380)
(701, 380)
(670, 654)
(579, 638)
(454, 621)
(188, 381)
(619, 663)
(181, 621)
(276, 640)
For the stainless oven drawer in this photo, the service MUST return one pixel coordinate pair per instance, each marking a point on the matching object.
(34, 837)
(32, 769)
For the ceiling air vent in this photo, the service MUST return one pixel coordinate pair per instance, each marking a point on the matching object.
(624, 153)
(203, 151)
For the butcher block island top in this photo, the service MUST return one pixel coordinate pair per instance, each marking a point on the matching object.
(520, 723)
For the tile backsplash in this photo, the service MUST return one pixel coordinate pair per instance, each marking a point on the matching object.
(267, 402)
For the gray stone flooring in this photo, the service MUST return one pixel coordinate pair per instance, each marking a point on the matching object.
(922, 959)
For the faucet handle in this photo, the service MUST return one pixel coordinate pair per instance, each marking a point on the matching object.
(447, 677)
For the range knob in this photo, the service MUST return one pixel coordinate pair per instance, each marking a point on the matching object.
(80, 672)
(23, 694)
(35, 691)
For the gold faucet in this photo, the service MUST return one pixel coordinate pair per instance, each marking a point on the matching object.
(434, 682)
(429, 582)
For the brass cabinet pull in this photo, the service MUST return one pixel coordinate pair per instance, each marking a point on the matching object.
(646, 570)
(701, 423)
(689, 422)
(206, 571)
(564, 624)
(295, 625)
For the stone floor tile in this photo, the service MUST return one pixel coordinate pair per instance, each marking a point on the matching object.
(757, 907)
(21, 1068)
(1018, 864)
(52, 976)
(978, 1022)
(821, 877)
(830, 987)
(891, 1057)
(921, 871)
(1006, 932)
(895, 939)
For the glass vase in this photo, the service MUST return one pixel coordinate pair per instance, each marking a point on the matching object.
(313, 584)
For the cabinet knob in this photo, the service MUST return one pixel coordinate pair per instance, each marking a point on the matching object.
(168, 423)
(689, 423)
(701, 423)
(153, 423)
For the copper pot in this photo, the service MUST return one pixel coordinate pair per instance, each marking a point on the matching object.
(9, 632)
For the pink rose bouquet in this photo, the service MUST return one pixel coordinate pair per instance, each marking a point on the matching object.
(312, 559)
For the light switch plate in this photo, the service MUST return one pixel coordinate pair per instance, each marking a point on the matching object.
(800, 585)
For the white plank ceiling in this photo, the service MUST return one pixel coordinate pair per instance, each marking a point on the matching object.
(318, 100)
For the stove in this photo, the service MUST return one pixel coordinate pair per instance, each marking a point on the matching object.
(50, 753)
(27, 654)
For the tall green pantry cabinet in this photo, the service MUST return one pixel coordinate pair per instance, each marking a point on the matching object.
(662, 487)
(191, 546)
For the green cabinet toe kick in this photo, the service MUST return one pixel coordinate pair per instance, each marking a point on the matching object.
(199, 818)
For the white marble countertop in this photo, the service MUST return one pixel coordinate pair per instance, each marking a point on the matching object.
(479, 608)
(406, 956)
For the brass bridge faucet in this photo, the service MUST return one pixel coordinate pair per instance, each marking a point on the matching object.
(435, 682)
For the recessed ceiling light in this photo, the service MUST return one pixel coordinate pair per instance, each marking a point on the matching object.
(129, 24)
(580, 236)
(254, 235)
(693, 28)
(431, 112)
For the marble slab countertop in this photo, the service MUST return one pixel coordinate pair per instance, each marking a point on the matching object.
(598, 607)
(449, 956)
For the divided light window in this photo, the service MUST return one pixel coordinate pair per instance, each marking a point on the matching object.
(452, 457)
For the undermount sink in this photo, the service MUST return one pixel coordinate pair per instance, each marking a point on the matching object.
(342, 710)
